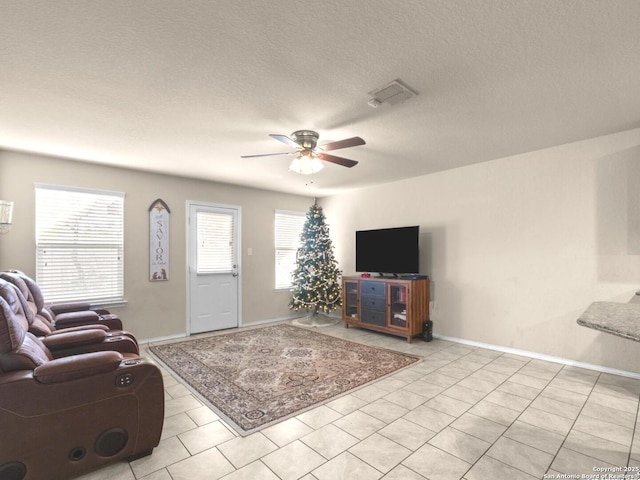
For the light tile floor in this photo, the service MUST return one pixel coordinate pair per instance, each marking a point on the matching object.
(462, 413)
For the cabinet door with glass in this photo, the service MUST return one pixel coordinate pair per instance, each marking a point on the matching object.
(397, 305)
(350, 300)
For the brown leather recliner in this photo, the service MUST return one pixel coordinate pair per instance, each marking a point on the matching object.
(61, 418)
(63, 315)
(70, 341)
(40, 325)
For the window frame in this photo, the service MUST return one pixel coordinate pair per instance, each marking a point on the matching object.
(87, 252)
(286, 245)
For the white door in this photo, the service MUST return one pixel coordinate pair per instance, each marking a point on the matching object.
(213, 267)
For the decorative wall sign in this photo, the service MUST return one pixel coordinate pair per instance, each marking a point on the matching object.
(159, 241)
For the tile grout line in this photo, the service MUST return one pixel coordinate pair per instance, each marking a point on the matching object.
(507, 427)
(387, 424)
(511, 424)
(498, 385)
(573, 423)
(368, 436)
(633, 433)
(469, 373)
(602, 438)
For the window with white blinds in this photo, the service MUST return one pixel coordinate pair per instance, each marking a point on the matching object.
(214, 253)
(288, 228)
(80, 244)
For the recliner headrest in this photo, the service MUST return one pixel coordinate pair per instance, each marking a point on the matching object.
(34, 288)
(12, 328)
(38, 323)
(21, 284)
(16, 301)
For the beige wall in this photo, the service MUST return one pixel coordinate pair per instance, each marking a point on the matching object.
(154, 309)
(517, 248)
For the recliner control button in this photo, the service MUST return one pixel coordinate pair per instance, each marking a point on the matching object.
(124, 380)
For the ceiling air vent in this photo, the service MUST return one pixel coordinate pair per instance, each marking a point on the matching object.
(392, 93)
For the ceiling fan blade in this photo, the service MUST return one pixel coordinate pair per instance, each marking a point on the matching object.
(345, 162)
(284, 139)
(265, 155)
(349, 142)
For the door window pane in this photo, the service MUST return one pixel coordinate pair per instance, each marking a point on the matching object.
(214, 253)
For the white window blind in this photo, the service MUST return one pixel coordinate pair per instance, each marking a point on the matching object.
(80, 244)
(214, 253)
(288, 228)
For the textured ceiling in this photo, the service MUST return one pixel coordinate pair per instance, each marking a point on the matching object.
(187, 87)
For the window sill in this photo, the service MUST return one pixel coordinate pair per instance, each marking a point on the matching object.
(121, 303)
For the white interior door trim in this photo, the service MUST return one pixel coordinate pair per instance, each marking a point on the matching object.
(189, 204)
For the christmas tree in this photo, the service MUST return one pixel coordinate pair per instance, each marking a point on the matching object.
(316, 278)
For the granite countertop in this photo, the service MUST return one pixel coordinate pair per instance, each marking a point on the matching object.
(621, 319)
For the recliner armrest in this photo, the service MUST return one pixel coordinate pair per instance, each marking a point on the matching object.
(65, 307)
(80, 328)
(77, 366)
(78, 338)
(117, 342)
(75, 318)
(90, 317)
(111, 320)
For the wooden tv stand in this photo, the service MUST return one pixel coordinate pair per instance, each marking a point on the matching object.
(398, 306)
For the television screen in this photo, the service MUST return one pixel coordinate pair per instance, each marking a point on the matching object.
(388, 250)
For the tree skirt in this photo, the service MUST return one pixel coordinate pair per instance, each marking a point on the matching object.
(257, 377)
(315, 321)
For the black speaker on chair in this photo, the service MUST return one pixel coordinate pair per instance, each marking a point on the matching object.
(13, 471)
(111, 442)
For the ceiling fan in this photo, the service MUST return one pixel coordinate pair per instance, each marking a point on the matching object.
(308, 153)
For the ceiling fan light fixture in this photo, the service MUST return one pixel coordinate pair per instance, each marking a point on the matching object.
(309, 157)
(306, 164)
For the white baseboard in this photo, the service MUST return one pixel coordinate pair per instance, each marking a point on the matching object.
(540, 356)
(514, 351)
(271, 320)
(184, 334)
(162, 339)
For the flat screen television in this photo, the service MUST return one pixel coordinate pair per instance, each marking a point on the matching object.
(388, 250)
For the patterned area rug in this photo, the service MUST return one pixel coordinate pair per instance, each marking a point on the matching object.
(257, 377)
